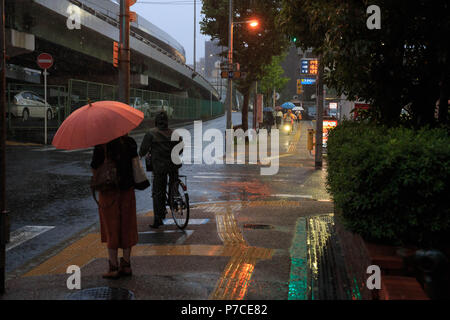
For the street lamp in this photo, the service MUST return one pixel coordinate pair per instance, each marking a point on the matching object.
(253, 24)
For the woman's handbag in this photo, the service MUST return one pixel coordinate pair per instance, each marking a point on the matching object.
(105, 177)
(148, 162)
(140, 177)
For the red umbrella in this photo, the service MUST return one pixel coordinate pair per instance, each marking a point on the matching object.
(96, 123)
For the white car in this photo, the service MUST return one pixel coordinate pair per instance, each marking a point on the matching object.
(139, 104)
(27, 104)
(157, 105)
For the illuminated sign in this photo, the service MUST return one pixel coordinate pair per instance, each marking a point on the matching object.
(328, 124)
(305, 67)
(313, 66)
(308, 81)
(309, 66)
(333, 105)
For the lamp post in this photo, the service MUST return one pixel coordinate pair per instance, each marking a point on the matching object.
(3, 213)
(195, 34)
(230, 63)
(253, 24)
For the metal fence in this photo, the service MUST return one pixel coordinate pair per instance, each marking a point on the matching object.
(179, 108)
(64, 100)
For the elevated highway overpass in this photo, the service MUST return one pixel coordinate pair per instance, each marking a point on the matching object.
(86, 52)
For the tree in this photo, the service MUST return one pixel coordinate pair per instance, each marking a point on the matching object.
(273, 77)
(252, 49)
(407, 61)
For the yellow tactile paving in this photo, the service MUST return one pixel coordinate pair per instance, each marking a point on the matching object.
(79, 253)
(222, 206)
(234, 281)
(294, 143)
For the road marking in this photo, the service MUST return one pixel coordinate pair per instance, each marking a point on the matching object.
(76, 150)
(191, 221)
(24, 234)
(184, 235)
(236, 278)
(307, 196)
(44, 149)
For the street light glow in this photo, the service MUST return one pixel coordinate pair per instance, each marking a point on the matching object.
(254, 24)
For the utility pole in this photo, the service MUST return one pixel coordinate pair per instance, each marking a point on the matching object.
(195, 34)
(124, 51)
(230, 63)
(319, 122)
(3, 212)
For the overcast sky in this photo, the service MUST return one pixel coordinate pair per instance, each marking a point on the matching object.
(175, 17)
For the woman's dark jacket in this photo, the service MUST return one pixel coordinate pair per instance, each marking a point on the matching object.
(121, 150)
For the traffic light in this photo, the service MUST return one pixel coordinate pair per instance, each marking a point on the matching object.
(116, 54)
(293, 39)
(299, 86)
(133, 15)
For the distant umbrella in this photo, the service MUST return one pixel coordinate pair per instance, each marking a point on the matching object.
(297, 109)
(288, 105)
(268, 109)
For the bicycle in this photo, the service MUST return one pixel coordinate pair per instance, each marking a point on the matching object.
(178, 202)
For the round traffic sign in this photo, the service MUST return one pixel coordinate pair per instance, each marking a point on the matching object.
(45, 61)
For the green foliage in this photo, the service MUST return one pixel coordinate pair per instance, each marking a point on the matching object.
(407, 61)
(252, 49)
(391, 184)
(273, 77)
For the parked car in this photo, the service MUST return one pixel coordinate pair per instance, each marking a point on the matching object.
(27, 104)
(157, 105)
(139, 104)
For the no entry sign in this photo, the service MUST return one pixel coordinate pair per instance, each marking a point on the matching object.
(45, 61)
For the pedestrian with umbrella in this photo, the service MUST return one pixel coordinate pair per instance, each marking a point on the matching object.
(268, 119)
(105, 125)
(279, 116)
(298, 113)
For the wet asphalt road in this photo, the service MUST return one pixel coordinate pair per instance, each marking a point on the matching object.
(48, 187)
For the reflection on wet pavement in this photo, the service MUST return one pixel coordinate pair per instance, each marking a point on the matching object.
(235, 279)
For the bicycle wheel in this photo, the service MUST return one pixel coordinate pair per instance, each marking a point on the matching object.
(179, 204)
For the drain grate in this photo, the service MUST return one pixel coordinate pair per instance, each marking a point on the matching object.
(257, 226)
(102, 293)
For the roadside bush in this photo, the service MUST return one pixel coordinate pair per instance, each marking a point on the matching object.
(391, 185)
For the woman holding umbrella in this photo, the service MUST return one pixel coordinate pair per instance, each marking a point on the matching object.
(105, 125)
(117, 207)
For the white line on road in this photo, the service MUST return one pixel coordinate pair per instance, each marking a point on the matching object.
(44, 149)
(293, 196)
(191, 221)
(24, 234)
(76, 150)
(185, 234)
